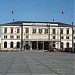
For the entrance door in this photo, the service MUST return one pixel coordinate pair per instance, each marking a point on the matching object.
(18, 44)
(34, 45)
(46, 45)
(27, 46)
(40, 45)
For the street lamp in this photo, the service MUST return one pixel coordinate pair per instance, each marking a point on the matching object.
(53, 19)
(21, 37)
(60, 38)
(62, 12)
(49, 35)
(72, 39)
(60, 33)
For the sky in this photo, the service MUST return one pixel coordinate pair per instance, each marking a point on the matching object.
(37, 10)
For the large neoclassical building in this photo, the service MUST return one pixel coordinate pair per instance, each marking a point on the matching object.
(36, 35)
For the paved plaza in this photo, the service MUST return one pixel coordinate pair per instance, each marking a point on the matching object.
(36, 63)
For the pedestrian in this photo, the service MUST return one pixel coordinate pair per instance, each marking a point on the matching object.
(24, 47)
(29, 47)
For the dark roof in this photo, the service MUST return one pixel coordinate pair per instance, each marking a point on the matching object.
(21, 23)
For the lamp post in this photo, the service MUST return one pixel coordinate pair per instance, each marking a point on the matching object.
(72, 39)
(60, 32)
(21, 37)
(60, 38)
(49, 35)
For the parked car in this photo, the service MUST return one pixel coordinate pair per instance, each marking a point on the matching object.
(67, 49)
(52, 49)
(62, 50)
(70, 50)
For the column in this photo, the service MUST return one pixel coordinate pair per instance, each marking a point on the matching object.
(43, 45)
(30, 45)
(37, 45)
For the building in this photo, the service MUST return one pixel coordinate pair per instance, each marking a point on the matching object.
(36, 35)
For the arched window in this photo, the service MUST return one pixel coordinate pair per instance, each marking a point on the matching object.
(18, 44)
(11, 44)
(67, 45)
(5, 44)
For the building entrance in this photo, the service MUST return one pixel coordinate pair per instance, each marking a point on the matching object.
(27, 46)
(34, 45)
(46, 45)
(40, 45)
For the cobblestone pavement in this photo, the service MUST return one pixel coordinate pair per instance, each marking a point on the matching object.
(36, 63)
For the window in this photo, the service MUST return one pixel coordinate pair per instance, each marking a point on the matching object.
(53, 31)
(27, 30)
(18, 37)
(27, 37)
(40, 31)
(11, 36)
(5, 30)
(74, 37)
(34, 30)
(62, 37)
(67, 31)
(18, 44)
(5, 44)
(18, 30)
(67, 37)
(5, 36)
(53, 37)
(61, 31)
(11, 30)
(73, 31)
(11, 44)
(67, 45)
(46, 30)
(53, 44)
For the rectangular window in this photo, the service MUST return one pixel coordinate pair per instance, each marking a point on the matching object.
(61, 31)
(67, 37)
(18, 37)
(73, 31)
(34, 31)
(27, 37)
(11, 36)
(46, 31)
(67, 31)
(53, 31)
(53, 37)
(5, 30)
(11, 30)
(40, 31)
(27, 30)
(5, 36)
(74, 37)
(62, 37)
(18, 30)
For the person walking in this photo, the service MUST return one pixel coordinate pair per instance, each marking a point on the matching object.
(24, 47)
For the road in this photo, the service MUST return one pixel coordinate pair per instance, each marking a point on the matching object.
(36, 63)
